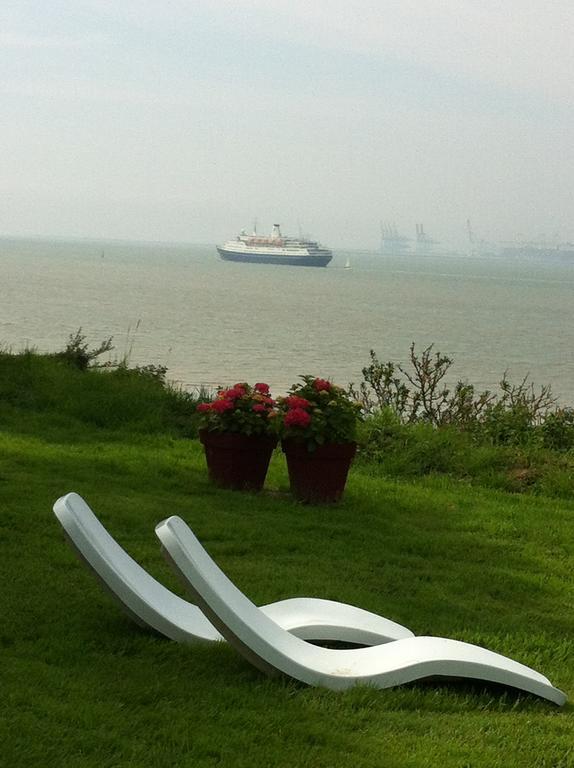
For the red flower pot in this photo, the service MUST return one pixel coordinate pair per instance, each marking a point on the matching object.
(318, 476)
(235, 461)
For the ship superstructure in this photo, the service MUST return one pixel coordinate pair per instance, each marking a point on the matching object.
(275, 249)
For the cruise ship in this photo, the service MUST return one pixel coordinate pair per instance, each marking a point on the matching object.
(275, 249)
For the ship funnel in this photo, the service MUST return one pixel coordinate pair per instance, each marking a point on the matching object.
(276, 232)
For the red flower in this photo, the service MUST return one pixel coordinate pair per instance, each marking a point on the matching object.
(263, 388)
(259, 408)
(232, 394)
(241, 387)
(220, 406)
(203, 407)
(322, 385)
(294, 401)
(297, 417)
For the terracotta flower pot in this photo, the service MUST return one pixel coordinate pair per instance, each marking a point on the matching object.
(235, 461)
(318, 476)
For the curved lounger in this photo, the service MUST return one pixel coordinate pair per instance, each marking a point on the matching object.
(272, 649)
(151, 604)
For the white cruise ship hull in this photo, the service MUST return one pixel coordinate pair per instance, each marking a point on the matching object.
(299, 258)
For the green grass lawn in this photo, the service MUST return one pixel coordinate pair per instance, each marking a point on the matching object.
(83, 686)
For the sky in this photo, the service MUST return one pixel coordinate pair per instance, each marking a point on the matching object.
(186, 120)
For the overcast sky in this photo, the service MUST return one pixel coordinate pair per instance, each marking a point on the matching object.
(187, 120)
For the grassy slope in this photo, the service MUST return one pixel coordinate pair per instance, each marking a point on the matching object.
(83, 686)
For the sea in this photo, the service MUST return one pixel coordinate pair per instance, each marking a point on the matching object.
(214, 323)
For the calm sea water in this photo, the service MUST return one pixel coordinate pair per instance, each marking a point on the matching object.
(214, 322)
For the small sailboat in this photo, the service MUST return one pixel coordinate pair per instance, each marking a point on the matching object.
(348, 263)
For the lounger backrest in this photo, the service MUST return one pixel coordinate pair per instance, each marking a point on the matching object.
(145, 599)
(100, 548)
(243, 624)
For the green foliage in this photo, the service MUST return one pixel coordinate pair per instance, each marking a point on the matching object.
(68, 396)
(419, 394)
(390, 447)
(317, 412)
(504, 425)
(505, 450)
(154, 372)
(517, 415)
(78, 353)
(557, 430)
(412, 449)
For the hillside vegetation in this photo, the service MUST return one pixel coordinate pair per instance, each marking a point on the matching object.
(443, 533)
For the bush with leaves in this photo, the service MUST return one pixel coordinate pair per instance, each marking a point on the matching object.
(418, 394)
(516, 415)
(78, 353)
(557, 430)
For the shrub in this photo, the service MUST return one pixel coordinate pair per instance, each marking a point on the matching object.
(557, 430)
(419, 395)
(78, 353)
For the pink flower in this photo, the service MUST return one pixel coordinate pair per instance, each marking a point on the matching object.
(294, 401)
(297, 417)
(220, 406)
(203, 407)
(322, 385)
(262, 388)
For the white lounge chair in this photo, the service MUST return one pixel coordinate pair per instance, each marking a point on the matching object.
(268, 646)
(151, 604)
